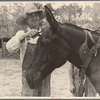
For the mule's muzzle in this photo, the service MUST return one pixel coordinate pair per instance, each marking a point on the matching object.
(34, 85)
(34, 82)
(30, 83)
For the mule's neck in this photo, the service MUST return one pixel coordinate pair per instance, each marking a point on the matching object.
(74, 37)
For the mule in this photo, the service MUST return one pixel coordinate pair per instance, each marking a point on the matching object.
(60, 42)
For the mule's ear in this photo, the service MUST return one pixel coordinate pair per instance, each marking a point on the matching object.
(50, 18)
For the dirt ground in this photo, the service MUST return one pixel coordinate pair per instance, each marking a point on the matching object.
(10, 79)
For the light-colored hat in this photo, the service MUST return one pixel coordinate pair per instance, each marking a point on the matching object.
(29, 8)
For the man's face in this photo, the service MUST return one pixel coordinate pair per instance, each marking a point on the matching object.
(33, 20)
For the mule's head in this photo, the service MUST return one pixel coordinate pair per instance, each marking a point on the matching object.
(51, 52)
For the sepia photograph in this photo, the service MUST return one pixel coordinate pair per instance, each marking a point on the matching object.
(50, 49)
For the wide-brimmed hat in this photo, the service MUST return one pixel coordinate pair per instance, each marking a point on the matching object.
(29, 8)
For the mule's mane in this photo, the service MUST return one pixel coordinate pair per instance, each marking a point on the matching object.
(80, 28)
(69, 25)
(74, 26)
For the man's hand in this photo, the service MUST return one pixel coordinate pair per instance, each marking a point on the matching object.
(22, 35)
(31, 32)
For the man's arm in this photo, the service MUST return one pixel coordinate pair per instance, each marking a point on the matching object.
(14, 43)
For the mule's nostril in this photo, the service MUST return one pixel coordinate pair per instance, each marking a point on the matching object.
(29, 81)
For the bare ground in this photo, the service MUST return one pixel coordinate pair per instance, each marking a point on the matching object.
(10, 76)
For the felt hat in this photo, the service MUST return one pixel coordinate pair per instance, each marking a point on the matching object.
(29, 9)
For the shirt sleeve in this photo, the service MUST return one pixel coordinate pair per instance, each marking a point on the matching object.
(14, 43)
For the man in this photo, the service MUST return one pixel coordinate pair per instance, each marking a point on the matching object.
(31, 22)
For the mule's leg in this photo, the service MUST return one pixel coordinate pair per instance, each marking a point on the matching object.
(74, 80)
(71, 79)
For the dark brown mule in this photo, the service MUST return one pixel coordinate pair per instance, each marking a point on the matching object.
(57, 44)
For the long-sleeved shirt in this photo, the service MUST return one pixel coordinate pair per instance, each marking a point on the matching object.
(14, 43)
